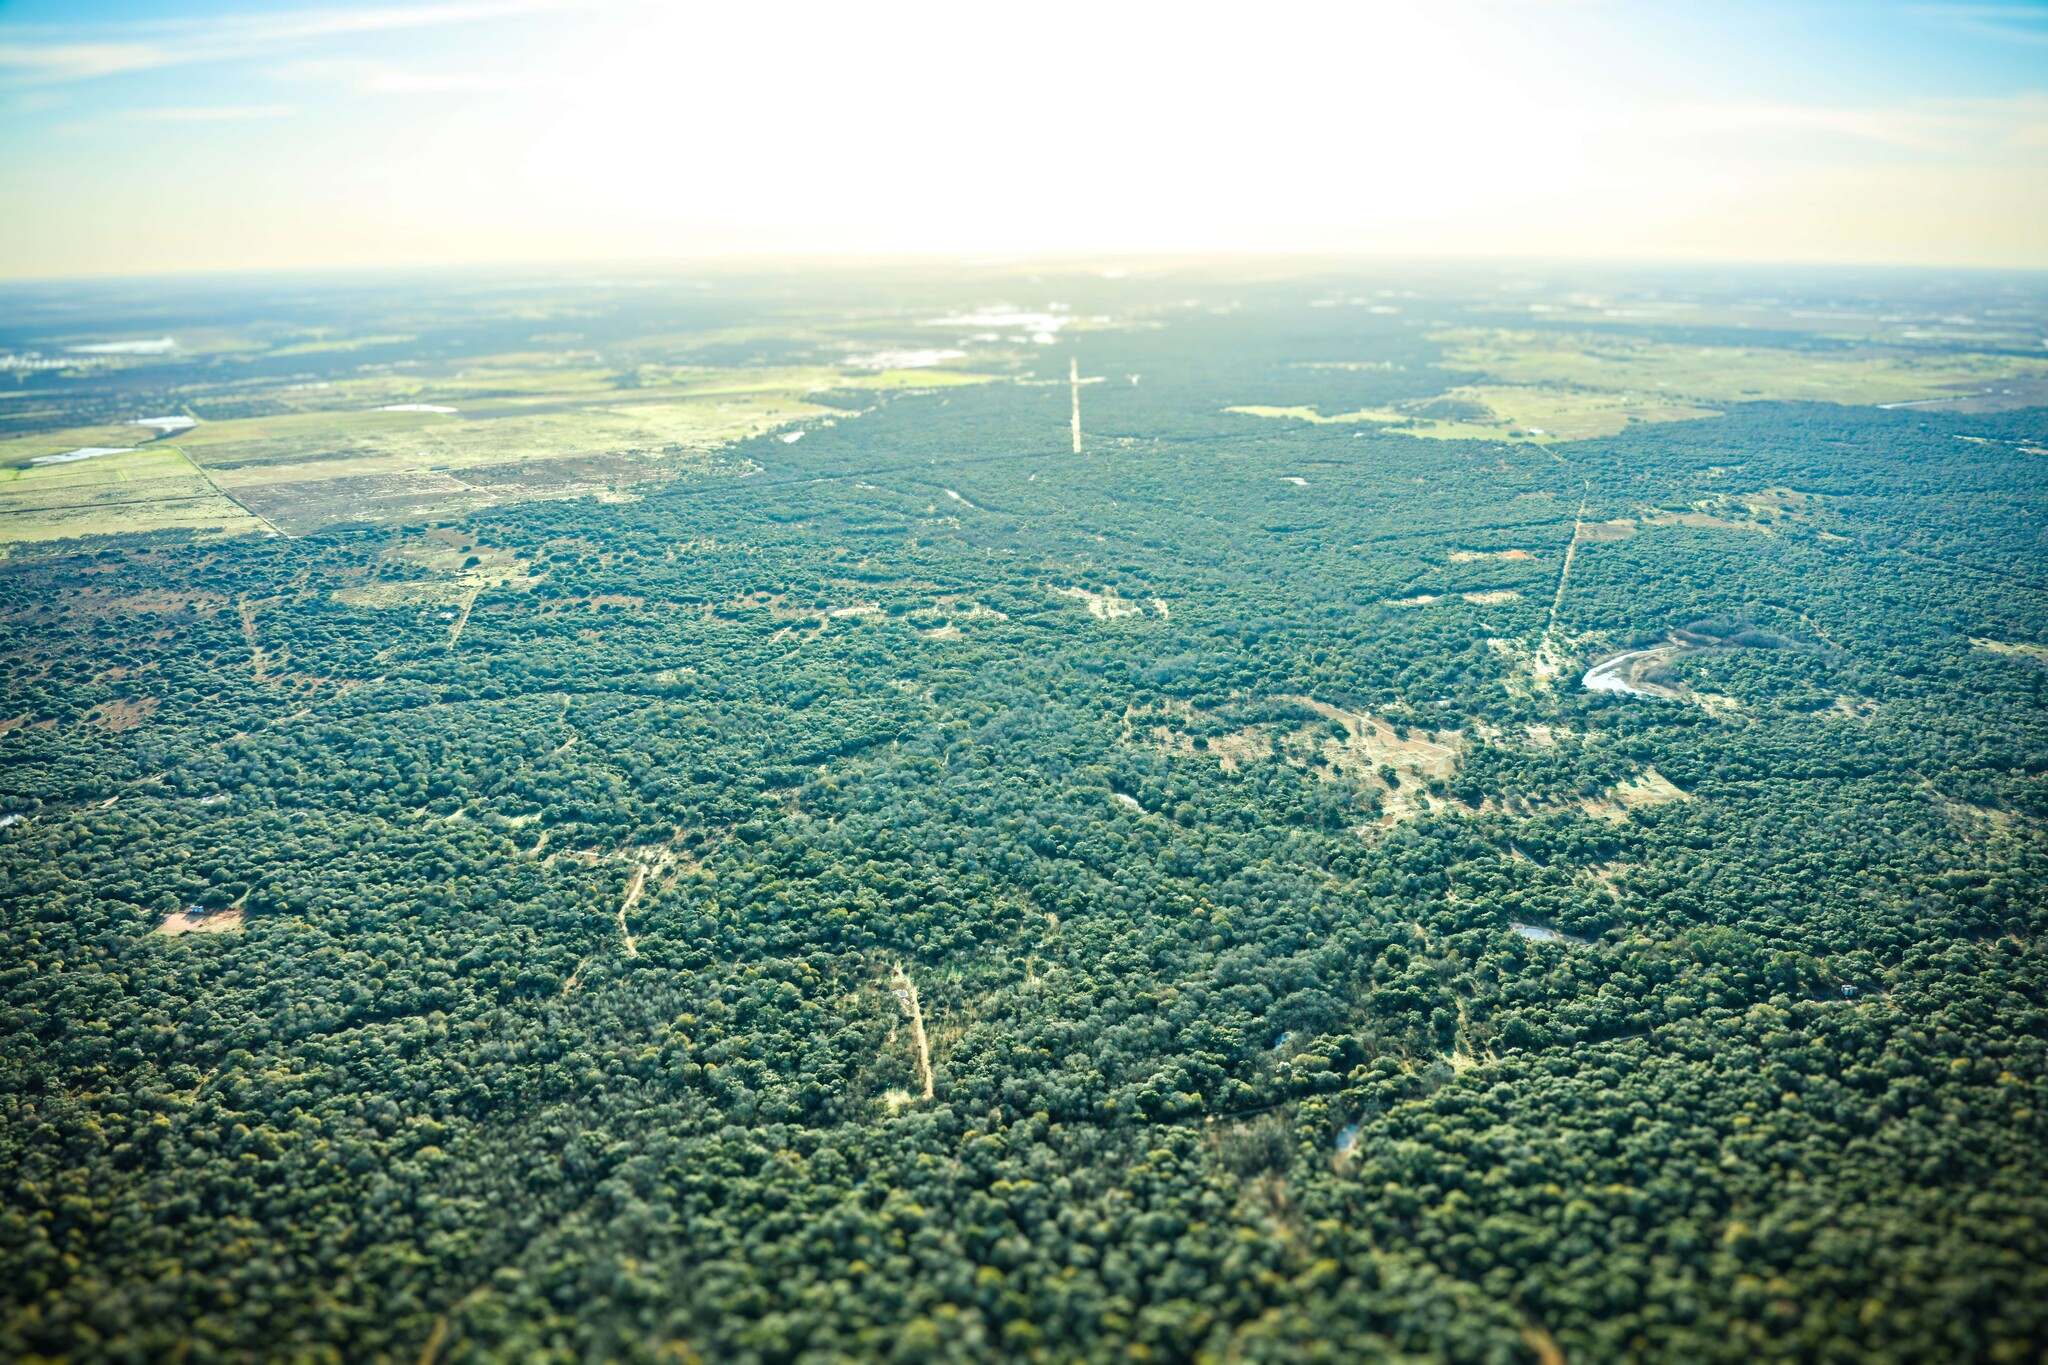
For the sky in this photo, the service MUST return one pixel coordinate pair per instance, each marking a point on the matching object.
(143, 138)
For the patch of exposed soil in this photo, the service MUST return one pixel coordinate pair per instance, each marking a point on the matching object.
(1103, 606)
(194, 921)
(2014, 649)
(123, 714)
(1350, 745)
(1647, 788)
(905, 991)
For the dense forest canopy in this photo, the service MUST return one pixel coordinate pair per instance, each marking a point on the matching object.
(1073, 816)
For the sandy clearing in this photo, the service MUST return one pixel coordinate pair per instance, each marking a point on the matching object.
(1368, 746)
(1230, 751)
(1382, 745)
(192, 920)
(1294, 479)
(1103, 606)
(415, 407)
(905, 991)
(1647, 788)
(1492, 597)
(1473, 556)
(864, 609)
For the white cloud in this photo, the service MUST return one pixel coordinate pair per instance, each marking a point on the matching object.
(376, 78)
(218, 113)
(54, 61)
(55, 53)
(1972, 130)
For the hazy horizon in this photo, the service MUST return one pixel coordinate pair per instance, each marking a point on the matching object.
(205, 137)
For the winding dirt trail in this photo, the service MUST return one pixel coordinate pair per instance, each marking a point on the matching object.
(1542, 1343)
(905, 991)
(632, 898)
(439, 1336)
(626, 940)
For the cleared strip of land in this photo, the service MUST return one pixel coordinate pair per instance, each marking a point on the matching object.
(905, 991)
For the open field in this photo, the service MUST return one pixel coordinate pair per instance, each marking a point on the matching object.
(508, 428)
(154, 488)
(1545, 387)
(1655, 371)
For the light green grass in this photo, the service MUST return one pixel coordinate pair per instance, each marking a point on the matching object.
(1541, 387)
(1653, 370)
(152, 489)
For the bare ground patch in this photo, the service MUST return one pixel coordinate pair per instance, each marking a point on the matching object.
(2014, 649)
(1398, 763)
(905, 991)
(1106, 605)
(1770, 510)
(1647, 788)
(198, 922)
(1530, 670)
(124, 714)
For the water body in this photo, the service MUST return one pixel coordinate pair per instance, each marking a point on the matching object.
(82, 453)
(1612, 675)
(1538, 933)
(154, 346)
(1347, 1140)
